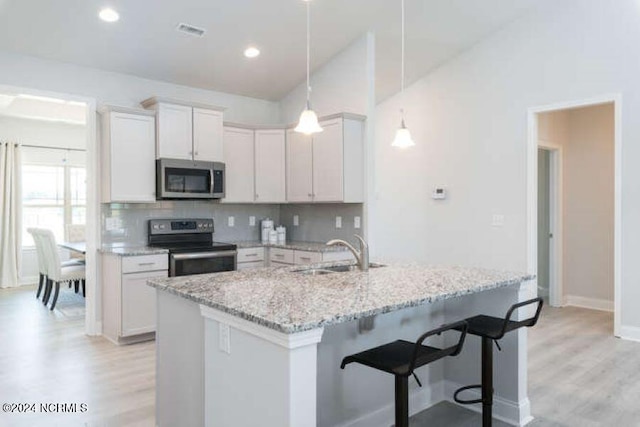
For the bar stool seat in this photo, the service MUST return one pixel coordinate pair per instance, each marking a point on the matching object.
(400, 358)
(491, 329)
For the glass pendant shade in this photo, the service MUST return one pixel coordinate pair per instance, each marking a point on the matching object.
(403, 137)
(308, 123)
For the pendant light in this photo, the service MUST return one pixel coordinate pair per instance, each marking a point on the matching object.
(308, 123)
(403, 136)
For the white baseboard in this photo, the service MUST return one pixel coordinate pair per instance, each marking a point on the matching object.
(590, 303)
(508, 411)
(419, 400)
(631, 333)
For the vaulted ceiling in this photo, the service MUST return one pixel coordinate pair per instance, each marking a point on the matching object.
(145, 42)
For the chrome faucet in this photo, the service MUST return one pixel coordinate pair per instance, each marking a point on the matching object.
(362, 256)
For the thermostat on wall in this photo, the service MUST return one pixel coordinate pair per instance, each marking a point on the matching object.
(439, 194)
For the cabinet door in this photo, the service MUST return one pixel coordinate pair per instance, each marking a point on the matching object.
(270, 166)
(132, 143)
(207, 135)
(328, 163)
(299, 167)
(175, 131)
(139, 303)
(238, 156)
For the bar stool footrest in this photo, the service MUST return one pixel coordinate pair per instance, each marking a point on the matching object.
(466, 401)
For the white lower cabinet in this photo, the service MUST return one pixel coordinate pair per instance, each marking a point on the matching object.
(250, 258)
(129, 304)
(286, 257)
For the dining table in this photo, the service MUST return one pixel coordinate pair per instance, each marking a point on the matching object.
(80, 247)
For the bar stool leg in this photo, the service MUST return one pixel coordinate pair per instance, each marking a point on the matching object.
(402, 401)
(487, 382)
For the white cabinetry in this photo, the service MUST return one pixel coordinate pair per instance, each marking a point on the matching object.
(250, 258)
(128, 156)
(270, 171)
(129, 304)
(239, 164)
(187, 131)
(328, 167)
(207, 135)
(287, 257)
(175, 131)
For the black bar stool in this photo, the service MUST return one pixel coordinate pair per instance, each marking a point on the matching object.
(400, 358)
(492, 329)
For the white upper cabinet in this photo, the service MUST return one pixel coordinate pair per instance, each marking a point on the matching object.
(238, 150)
(328, 163)
(329, 166)
(175, 132)
(207, 135)
(299, 167)
(186, 131)
(128, 156)
(270, 173)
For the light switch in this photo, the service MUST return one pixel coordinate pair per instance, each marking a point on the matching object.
(497, 220)
(356, 222)
(252, 221)
(338, 222)
(296, 220)
(232, 221)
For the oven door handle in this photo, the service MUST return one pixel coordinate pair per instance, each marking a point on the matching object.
(200, 255)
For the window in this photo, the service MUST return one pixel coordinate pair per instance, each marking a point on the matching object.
(52, 197)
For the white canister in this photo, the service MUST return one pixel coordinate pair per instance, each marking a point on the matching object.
(273, 237)
(265, 235)
(282, 234)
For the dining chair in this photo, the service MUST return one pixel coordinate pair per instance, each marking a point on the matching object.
(75, 233)
(42, 266)
(56, 273)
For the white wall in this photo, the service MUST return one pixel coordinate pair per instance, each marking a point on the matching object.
(469, 119)
(125, 90)
(340, 85)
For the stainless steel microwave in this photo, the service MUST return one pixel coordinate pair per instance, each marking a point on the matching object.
(189, 179)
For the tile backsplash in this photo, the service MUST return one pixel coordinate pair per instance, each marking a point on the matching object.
(127, 223)
(130, 220)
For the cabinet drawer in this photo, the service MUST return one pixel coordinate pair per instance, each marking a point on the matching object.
(304, 257)
(250, 265)
(137, 264)
(250, 254)
(283, 256)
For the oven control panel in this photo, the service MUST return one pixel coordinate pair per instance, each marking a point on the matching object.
(180, 226)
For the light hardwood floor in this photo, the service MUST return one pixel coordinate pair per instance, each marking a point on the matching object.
(46, 358)
(579, 374)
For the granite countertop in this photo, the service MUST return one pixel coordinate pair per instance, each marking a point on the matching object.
(126, 250)
(289, 301)
(300, 246)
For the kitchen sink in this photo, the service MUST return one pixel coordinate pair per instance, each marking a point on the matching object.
(334, 269)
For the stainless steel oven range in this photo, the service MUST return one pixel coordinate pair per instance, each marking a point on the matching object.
(191, 246)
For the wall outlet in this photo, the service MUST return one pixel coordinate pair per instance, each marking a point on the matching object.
(232, 221)
(252, 221)
(296, 220)
(225, 338)
(338, 222)
(356, 222)
(497, 220)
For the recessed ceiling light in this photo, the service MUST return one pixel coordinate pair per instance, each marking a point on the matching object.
(109, 15)
(251, 52)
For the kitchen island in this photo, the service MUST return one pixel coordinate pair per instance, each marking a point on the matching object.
(263, 347)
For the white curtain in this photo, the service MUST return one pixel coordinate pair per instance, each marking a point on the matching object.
(10, 214)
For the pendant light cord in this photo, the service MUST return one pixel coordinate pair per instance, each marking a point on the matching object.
(402, 64)
(308, 49)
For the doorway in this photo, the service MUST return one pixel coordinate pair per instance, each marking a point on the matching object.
(56, 136)
(574, 221)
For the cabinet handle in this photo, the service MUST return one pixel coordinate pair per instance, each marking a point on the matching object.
(145, 263)
(196, 153)
(251, 254)
(305, 258)
(279, 255)
(310, 195)
(257, 196)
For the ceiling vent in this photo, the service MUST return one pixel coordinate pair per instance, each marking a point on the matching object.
(191, 30)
